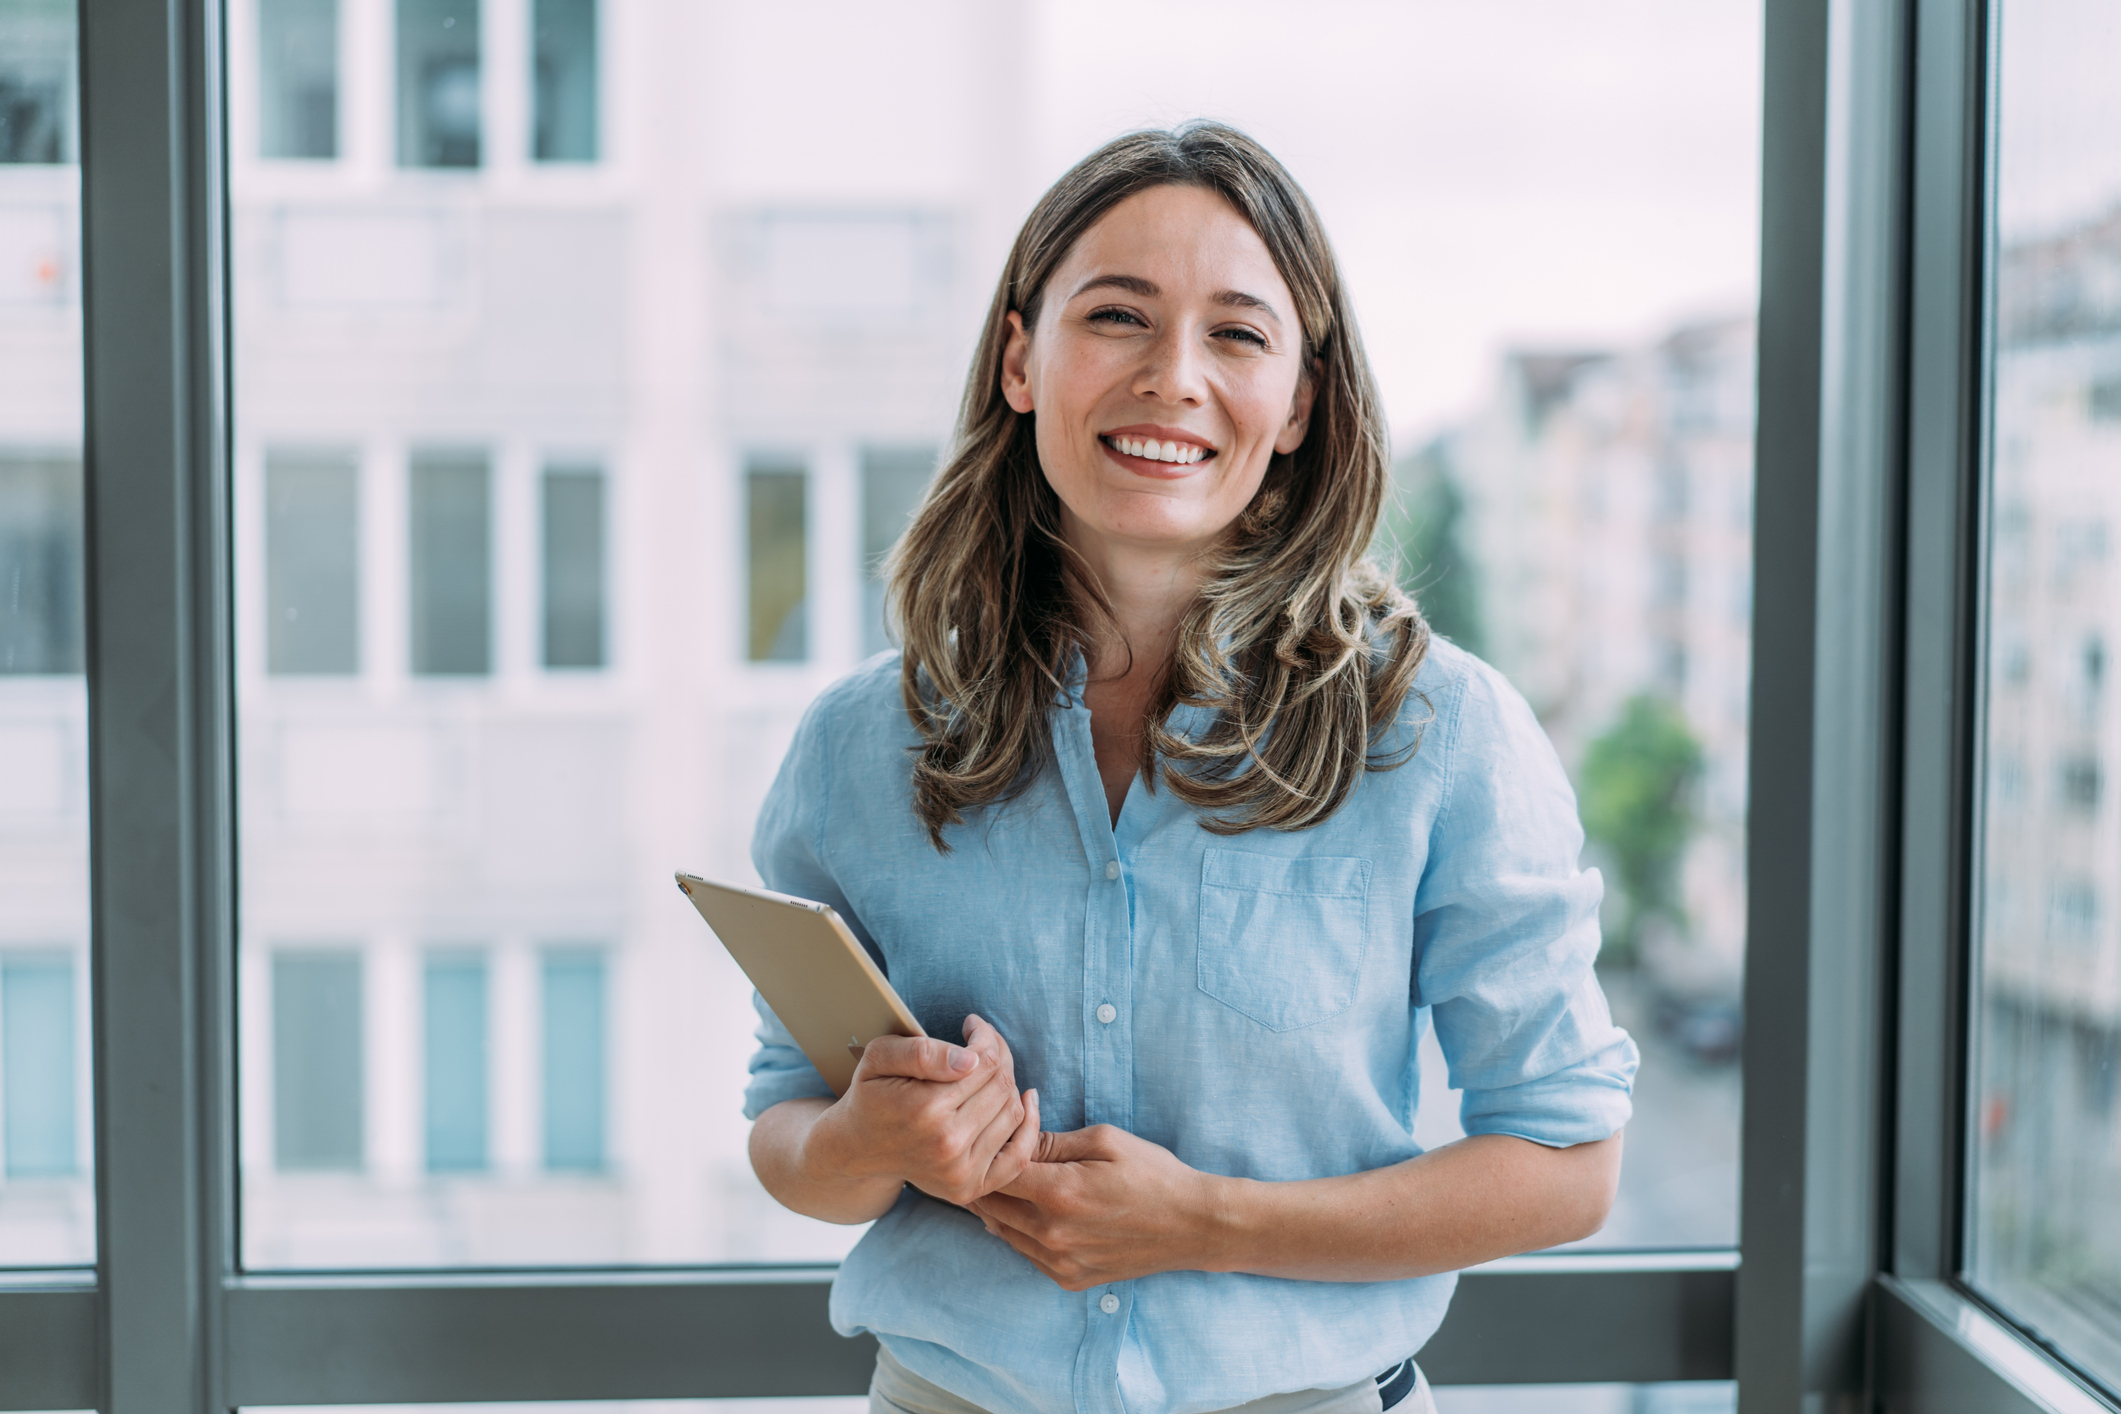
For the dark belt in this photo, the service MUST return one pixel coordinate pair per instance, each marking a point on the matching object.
(1397, 1383)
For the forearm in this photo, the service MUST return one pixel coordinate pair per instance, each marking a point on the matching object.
(805, 1171)
(1483, 1197)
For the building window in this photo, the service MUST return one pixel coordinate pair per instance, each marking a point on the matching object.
(37, 1100)
(2080, 784)
(452, 564)
(36, 81)
(298, 78)
(893, 481)
(573, 514)
(438, 83)
(312, 563)
(564, 58)
(573, 1035)
(778, 558)
(40, 565)
(455, 1036)
(316, 1041)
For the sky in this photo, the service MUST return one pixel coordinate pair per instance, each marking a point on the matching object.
(1497, 174)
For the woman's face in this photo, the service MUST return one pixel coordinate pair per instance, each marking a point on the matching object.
(1166, 369)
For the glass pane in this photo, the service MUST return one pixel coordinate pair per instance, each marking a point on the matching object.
(456, 1049)
(574, 569)
(1705, 1397)
(564, 52)
(312, 592)
(2045, 1217)
(47, 1203)
(451, 542)
(439, 103)
(893, 482)
(629, 424)
(298, 78)
(317, 1060)
(779, 546)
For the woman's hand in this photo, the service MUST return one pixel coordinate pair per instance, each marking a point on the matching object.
(945, 1118)
(1099, 1205)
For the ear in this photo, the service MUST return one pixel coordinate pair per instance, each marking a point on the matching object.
(1299, 423)
(1016, 359)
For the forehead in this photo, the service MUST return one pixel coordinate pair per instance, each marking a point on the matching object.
(1189, 241)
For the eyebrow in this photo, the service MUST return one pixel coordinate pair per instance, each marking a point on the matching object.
(1149, 289)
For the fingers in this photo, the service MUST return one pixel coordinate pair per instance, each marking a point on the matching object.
(918, 1058)
(981, 1036)
(987, 1146)
(1016, 1155)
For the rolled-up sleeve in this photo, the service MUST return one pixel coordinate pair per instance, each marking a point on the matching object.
(788, 850)
(1506, 932)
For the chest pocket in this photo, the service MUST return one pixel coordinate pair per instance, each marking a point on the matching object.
(1282, 940)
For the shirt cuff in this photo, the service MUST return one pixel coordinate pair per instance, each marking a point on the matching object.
(1581, 1105)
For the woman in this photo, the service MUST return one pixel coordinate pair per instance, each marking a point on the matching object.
(1173, 810)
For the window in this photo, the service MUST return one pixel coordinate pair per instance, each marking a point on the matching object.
(2044, 1220)
(451, 550)
(564, 52)
(455, 1052)
(312, 563)
(47, 1197)
(440, 102)
(574, 1060)
(317, 1055)
(775, 497)
(36, 81)
(40, 565)
(38, 1066)
(298, 78)
(893, 481)
(574, 567)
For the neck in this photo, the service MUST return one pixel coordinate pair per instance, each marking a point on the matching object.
(1150, 592)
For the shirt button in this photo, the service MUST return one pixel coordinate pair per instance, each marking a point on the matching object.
(1108, 1303)
(1112, 869)
(1108, 1013)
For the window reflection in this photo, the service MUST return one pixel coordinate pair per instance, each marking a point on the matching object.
(2045, 1217)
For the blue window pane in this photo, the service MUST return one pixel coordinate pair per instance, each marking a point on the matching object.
(574, 1060)
(456, 1062)
(37, 1066)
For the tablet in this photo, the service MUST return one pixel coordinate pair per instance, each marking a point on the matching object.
(818, 979)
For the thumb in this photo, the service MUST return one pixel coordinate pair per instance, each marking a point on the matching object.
(1068, 1147)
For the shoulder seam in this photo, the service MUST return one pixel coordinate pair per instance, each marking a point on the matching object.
(1450, 753)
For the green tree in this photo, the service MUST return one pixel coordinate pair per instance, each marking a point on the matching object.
(1423, 530)
(1637, 796)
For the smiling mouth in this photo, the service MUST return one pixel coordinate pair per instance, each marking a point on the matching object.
(1149, 449)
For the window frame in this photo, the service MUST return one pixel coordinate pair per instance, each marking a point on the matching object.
(1873, 193)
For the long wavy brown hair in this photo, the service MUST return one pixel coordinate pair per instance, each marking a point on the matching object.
(1300, 648)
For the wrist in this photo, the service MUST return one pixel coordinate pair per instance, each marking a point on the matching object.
(832, 1152)
(1227, 1210)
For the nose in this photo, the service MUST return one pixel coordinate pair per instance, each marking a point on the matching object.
(1172, 369)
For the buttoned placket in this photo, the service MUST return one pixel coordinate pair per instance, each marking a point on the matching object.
(1107, 1012)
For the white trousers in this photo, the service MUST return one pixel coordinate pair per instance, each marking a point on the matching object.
(894, 1389)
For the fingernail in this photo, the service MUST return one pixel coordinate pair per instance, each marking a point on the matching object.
(962, 1059)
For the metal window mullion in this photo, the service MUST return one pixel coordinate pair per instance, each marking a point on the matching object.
(1823, 755)
(1945, 338)
(160, 841)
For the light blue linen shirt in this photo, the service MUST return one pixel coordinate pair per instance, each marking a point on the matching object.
(1266, 996)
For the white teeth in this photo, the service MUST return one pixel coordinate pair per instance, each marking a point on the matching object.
(1179, 453)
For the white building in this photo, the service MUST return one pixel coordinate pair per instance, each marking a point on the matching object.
(2050, 904)
(1608, 499)
(582, 370)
